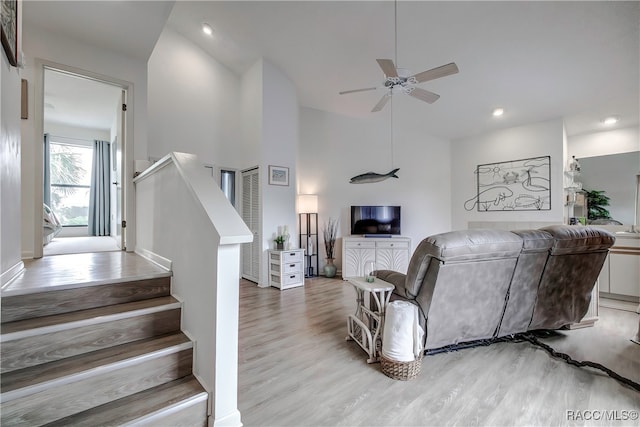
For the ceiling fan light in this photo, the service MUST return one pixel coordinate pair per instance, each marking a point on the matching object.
(207, 29)
(611, 120)
(497, 112)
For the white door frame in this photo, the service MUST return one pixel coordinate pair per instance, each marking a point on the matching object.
(127, 152)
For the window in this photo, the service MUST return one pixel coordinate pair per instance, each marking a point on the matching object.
(228, 185)
(70, 169)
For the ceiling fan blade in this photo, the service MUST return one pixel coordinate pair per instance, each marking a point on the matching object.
(436, 73)
(388, 68)
(424, 95)
(380, 105)
(357, 90)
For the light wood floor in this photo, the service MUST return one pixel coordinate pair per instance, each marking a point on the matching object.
(295, 368)
(77, 270)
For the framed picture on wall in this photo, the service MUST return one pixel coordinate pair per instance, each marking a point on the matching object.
(278, 175)
(9, 30)
(515, 185)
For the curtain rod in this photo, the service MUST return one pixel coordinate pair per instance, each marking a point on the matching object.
(70, 137)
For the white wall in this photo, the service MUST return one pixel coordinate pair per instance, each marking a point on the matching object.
(251, 116)
(279, 147)
(87, 134)
(604, 143)
(270, 137)
(10, 180)
(335, 148)
(535, 140)
(44, 45)
(194, 103)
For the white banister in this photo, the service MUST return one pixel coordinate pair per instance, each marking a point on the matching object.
(184, 218)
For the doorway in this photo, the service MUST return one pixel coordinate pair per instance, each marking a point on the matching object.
(84, 128)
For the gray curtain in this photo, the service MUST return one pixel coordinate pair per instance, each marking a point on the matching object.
(46, 172)
(99, 200)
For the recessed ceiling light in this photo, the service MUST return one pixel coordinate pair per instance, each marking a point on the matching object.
(498, 112)
(206, 28)
(612, 120)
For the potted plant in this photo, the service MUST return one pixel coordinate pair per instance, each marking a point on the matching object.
(329, 232)
(596, 202)
(279, 242)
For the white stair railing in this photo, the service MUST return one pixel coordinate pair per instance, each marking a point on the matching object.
(185, 223)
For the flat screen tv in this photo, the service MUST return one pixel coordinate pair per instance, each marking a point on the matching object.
(375, 220)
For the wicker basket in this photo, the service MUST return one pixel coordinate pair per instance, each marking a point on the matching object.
(401, 370)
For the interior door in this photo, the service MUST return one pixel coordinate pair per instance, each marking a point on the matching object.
(118, 151)
(251, 217)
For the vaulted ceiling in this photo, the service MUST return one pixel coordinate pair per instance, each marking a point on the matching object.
(537, 60)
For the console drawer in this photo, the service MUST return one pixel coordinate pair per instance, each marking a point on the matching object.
(360, 245)
(392, 245)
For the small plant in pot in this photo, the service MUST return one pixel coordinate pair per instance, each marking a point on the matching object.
(279, 242)
(329, 232)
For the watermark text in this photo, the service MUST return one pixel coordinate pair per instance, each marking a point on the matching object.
(602, 415)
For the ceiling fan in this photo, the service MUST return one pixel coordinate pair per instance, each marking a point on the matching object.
(398, 80)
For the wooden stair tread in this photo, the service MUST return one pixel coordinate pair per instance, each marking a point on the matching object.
(78, 270)
(58, 369)
(57, 301)
(77, 316)
(142, 404)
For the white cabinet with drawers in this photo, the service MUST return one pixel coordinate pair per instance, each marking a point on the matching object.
(286, 268)
(389, 253)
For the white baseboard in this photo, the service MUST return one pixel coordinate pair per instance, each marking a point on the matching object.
(11, 273)
(26, 255)
(154, 258)
(232, 419)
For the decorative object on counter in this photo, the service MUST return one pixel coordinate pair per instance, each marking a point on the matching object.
(329, 232)
(369, 271)
(370, 177)
(286, 236)
(282, 237)
(574, 165)
(308, 217)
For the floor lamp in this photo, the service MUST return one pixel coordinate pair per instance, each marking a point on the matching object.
(308, 217)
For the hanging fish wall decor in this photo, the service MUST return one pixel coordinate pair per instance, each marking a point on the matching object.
(369, 177)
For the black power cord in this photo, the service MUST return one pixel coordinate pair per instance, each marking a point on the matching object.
(533, 339)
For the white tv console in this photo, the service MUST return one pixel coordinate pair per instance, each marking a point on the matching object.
(389, 253)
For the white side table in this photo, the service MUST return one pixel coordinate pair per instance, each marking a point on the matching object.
(286, 268)
(366, 325)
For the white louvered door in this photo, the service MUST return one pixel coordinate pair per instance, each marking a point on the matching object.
(251, 217)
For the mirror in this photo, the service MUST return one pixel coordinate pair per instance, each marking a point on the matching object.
(617, 175)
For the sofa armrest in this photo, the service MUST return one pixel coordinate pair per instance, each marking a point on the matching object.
(398, 280)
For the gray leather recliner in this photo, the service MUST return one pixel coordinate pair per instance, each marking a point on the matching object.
(523, 291)
(459, 280)
(571, 271)
(481, 284)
